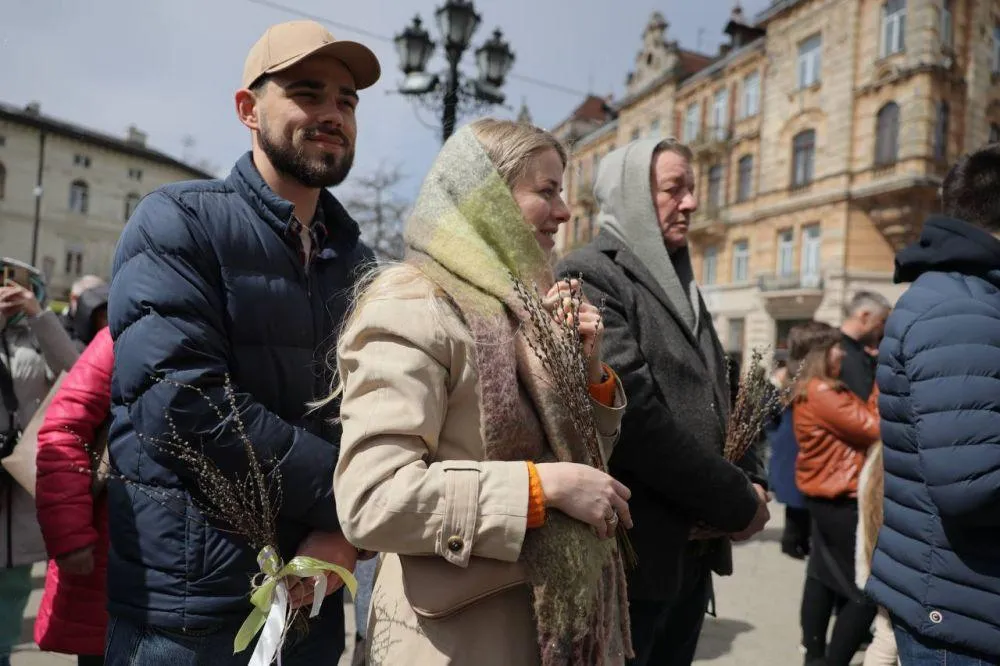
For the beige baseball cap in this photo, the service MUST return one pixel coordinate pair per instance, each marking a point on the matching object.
(286, 44)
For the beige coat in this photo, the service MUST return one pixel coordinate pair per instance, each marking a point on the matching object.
(411, 480)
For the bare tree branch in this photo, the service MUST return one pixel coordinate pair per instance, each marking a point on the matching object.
(380, 211)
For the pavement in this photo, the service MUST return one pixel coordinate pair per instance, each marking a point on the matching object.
(757, 608)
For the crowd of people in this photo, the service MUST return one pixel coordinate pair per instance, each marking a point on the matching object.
(419, 431)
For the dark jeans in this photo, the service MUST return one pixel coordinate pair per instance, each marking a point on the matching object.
(665, 633)
(854, 617)
(130, 643)
(918, 651)
(90, 660)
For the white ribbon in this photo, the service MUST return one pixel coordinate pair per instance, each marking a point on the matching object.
(273, 632)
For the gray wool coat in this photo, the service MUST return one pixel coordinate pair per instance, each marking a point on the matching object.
(40, 349)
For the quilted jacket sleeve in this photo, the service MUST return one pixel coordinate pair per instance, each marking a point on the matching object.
(62, 490)
(950, 355)
(166, 316)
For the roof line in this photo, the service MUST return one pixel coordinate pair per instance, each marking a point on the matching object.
(85, 134)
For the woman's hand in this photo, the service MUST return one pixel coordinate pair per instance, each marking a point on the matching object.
(561, 300)
(587, 494)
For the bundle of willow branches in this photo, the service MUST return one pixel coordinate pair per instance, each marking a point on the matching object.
(556, 342)
(756, 401)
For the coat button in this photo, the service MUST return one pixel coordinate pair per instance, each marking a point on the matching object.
(455, 544)
(936, 617)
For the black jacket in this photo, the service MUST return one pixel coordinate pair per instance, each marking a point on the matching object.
(670, 450)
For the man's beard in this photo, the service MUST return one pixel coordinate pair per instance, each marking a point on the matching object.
(324, 171)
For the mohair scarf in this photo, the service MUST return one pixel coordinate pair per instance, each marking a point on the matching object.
(467, 235)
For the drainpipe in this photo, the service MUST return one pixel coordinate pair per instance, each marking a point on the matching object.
(38, 198)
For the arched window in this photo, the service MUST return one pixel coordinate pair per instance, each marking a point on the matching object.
(887, 134)
(131, 201)
(3, 181)
(79, 197)
(803, 157)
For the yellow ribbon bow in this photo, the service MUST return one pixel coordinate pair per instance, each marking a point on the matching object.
(270, 599)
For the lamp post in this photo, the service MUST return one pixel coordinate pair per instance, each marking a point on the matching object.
(457, 21)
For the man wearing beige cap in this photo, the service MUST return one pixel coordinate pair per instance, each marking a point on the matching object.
(245, 279)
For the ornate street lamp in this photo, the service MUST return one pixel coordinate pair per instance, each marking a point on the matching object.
(457, 21)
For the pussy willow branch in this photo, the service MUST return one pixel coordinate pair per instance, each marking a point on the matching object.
(756, 400)
(557, 343)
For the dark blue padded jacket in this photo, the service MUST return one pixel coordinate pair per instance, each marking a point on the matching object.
(937, 562)
(207, 285)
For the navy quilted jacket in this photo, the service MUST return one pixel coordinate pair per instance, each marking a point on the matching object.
(937, 563)
(205, 284)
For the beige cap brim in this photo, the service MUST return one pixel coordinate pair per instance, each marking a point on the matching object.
(358, 58)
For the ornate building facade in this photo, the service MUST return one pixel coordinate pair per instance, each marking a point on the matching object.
(822, 131)
(66, 192)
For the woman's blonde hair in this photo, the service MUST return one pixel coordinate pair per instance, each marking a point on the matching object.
(808, 355)
(510, 146)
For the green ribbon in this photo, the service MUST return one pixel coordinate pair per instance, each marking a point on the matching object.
(274, 573)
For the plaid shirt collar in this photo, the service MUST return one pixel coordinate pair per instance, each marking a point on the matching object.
(317, 231)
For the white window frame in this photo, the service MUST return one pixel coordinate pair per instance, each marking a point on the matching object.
(79, 197)
(751, 95)
(720, 113)
(710, 266)
(786, 253)
(716, 196)
(741, 261)
(692, 122)
(810, 263)
(742, 196)
(893, 27)
(810, 60)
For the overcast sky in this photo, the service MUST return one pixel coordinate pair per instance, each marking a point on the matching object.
(171, 66)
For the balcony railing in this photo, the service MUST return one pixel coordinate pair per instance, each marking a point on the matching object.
(712, 140)
(773, 282)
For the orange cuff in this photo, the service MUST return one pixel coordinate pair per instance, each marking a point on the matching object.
(536, 498)
(604, 392)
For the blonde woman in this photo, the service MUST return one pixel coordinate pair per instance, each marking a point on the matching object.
(458, 461)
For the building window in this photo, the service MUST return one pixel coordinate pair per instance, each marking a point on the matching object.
(946, 23)
(81, 161)
(751, 94)
(786, 251)
(654, 128)
(887, 135)
(135, 174)
(996, 49)
(941, 131)
(79, 197)
(635, 134)
(735, 339)
(709, 268)
(3, 141)
(692, 122)
(741, 261)
(3, 181)
(803, 156)
(74, 260)
(893, 27)
(744, 187)
(994, 138)
(810, 256)
(131, 201)
(720, 114)
(809, 61)
(715, 187)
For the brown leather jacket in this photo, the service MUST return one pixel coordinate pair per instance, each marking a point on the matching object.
(834, 429)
